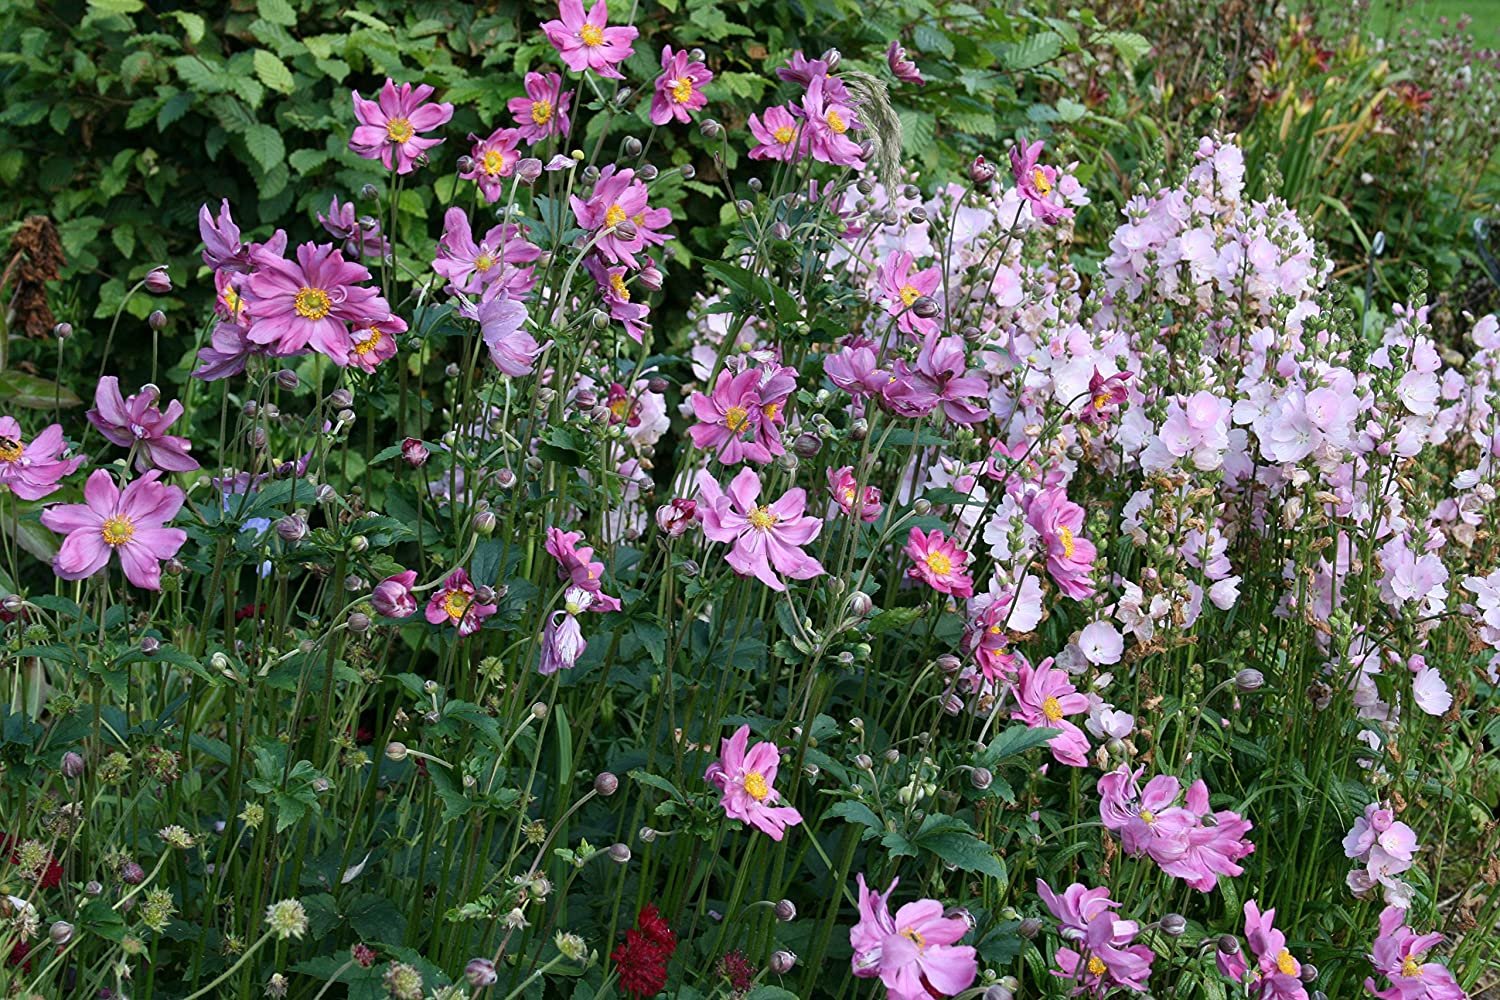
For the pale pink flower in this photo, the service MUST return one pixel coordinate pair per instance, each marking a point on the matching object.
(767, 539)
(544, 109)
(1044, 697)
(745, 776)
(915, 952)
(938, 562)
(131, 523)
(138, 422)
(33, 469)
(456, 603)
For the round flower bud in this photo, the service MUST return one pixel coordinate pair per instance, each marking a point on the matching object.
(688, 171)
(807, 445)
(922, 507)
(1249, 679)
(998, 992)
(863, 761)
(893, 756)
(93, 888)
(292, 528)
(619, 853)
(786, 911)
(157, 320)
(528, 170)
(1173, 925)
(1229, 945)
(287, 379)
(710, 129)
(358, 543)
(395, 751)
(647, 172)
(833, 57)
(981, 778)
(647, 835)
(925, 306)
(606, 784)
(484, 523)
(61, 933)
(1030, 928)
(256, 437)
(539, 710)
(1309, 973)
(157, 281)
(150, 645)
(948, 663)
(132, 874)
(860, 603)
(480, 972)
(981, 171)
(72, 764)
(465, 164)
(631, 146)
(359, 622)
(62, 331)
(783, 962)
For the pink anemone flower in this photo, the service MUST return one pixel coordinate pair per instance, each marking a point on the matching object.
(390, 126)
(745, 776)
(32, 470)
(130, 523)
(914, 951)
(679, 89)
(939, 563)
(140, 423)
(309, 302)
(456, 603)
(586, 41)
(544, 109)
(767, 539)
(1044, 697)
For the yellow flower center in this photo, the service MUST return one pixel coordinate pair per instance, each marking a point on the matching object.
(756, 787)
(1147, 816)
(682, 90)
(312, 303)
(1101, 401)
(1287, 965)
(1040, 182)
(915, 937)
(762, 519)
(1096, 966)
(369, 344)
(591, 35)
(770, 410)
(736, 417)
(1065, 535)
(494, 162)
(1409, 967)
(1052, 709)
(784, 134)
(231, 299)
(10, 449)
(836, 121)
(399, 130)
(848, 494)
(995, 630)
(909, 294)
(455, 604)
(939, 563)
(614, 216)
(541, 112)
(617, 285)
(483, 262)
(620, 408)
(117, 530)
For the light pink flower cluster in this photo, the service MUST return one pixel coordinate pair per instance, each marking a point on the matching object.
(1189, 841)
(915, 951)
(1105, 957)
(1385, 847)
(818, 125)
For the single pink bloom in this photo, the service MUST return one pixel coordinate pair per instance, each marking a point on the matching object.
(766, 538)
(1044, 696)
(494, 159)
(728, 419)
(855, 370)
(226, 352)
(1211, 849)
(1398, 953)
(374, 341)
(676, 517)
(130, 522)
(138, 422)
(915, 952)
(1277, 975)
(310, 302)
(679, 89)
(1070, 558)
(842, 486)
(987, 639)
(577, 564)
(490, 264)
(745, 777)
(32, 470)
(502, 324)
(612, 284)
(586, 42)
(900, 287)
(942, 372)
(455, 603)
(901, 67)
(938, 563)
(1105, 395)
(544, 109)
(829, 121)
(562, 643)
(619, 196)
(390, 126)
(801, 70)
(778, 135)
(1109, 960)
(393, 596)
(222, 249)
(1037, 183)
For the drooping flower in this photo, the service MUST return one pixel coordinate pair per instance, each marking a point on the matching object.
(900, 287)
(391, 126)
(502, 324)
(778, 135)
(562, 639)
(225, 353)
(845, 490)
(310, 302)
(901, 67)
(938, 562)
(1277, 975)
(362, 237)
(138, 422)
(374, 341)
(1107, 959)
(586, 41)
(1106, 393)
(1044, 697)
(766, 538)
(577, 564)
(493, 159)
(942, 373)
(393, 596)
(544, 109)
(679, 89)
(32, 470)
(915, 952)
(456, 603)
(744, 775)
(1037, 183)
(1397, 954)
(222, 249)
(1070, 558)
(131, 523)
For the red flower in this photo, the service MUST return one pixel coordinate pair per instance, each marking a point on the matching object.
(18, 955)
(642, 957)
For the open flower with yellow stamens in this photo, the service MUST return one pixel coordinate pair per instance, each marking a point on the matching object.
(456, 603)
(390, 126)
(493, 159)
(620, 197)
(544, 109)
(32, 469)
(728, 418)
(1277, 973)
(778, 135)
(1070, 557)
(915, 952)
(130, 523)
(745, 774)
(586, 41)
(679, 89)
(1045, 697)
(309, 302)
(767, 538)
(475, 267)
(939, 563)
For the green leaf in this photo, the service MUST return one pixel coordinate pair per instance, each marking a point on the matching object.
(192, 24)
(278, 12)
(893, 618)
(376, 918)
(955, 842)
(1032, 51)
(20, 389)
(1015, 740)
(264, 144)
(660, 784)
(1131, 46)
(273, 72)
(856, 812)
(117, 6)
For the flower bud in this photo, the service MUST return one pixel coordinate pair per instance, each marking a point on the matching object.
(72, 764)
(480, 972)
(1229, 945)
(157, 280)
(485, 595)
(948, 663)
(922, 507)
(786, 911)
(414, 453)
(395, 751)
(132, 873)
(157, 320)
(292, 528)
(1249, 679)
(647, 835)
(863, 761)
(832, 57)
(925, 306)
(807, 445)
(150, 645)
(528, 170)
(619, 853)
(981, 778)
(359, 622)
(606, 784)
(484, 523)
(465, 164)
(710, 129)
(61, 933)
(287, 379)
(539, 710)
(783, 962)
(1309, 973)
(93, 887)
(631, 146)
(625, 229)
(359, 543)
(688, 171)
(1030, 928)
(981, 171)
(1173, 925)
(998, 992)
(62, 331)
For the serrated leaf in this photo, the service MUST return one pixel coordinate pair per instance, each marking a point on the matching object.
(278, 12)
(1032, 51)
(1015, 740)
(856, 812)
(660, 784)
(192, 24)
(264, 145)
(1131, 46)
(893, 618)
(273, 72)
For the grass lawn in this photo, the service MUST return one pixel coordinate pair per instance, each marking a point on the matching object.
(1389, 15)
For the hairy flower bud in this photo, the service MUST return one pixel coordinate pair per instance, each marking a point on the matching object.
(606, 784)
(1173, 925)
(287, 379)
(1249, 679)
(157, 320)
(981, 778)
(619, 853)
(480, 972)
(484, 523)
(783, 962)
(72, 764)
(62, 331)
(1229, 945)
(60, 933)
(292, 528)
(157, 281)
(631, 147)
(786, 911)
(981, 171)
(150, 645)
(395, 751)
(359, 622)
